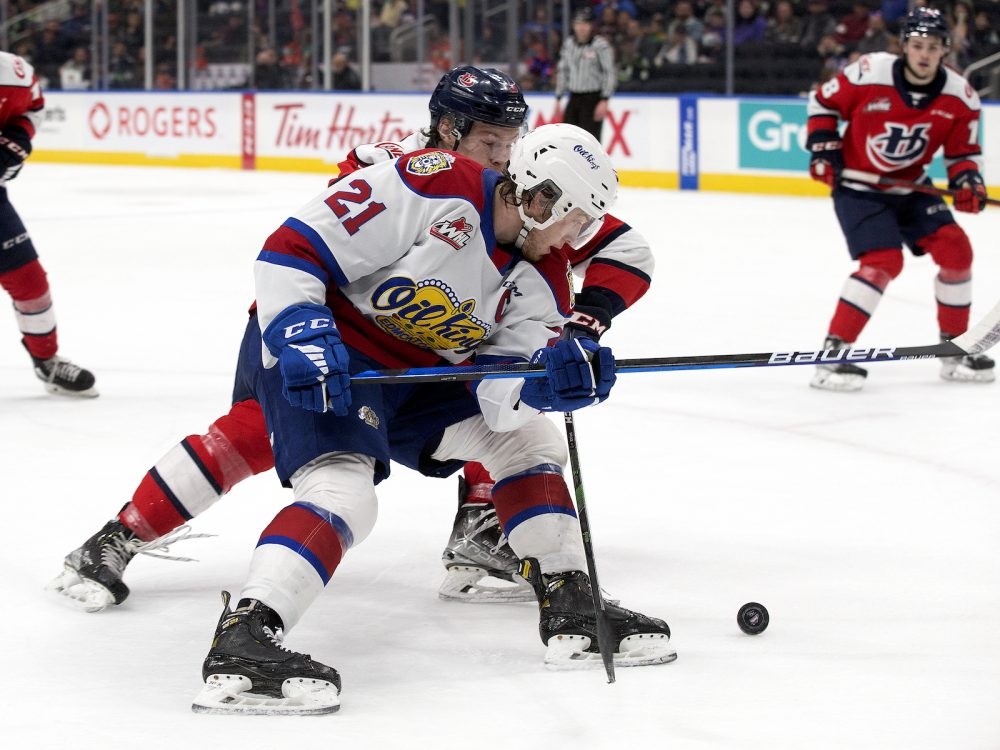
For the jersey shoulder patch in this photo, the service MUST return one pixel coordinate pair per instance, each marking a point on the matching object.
(955, 85)
(873, 68)
(437, 173)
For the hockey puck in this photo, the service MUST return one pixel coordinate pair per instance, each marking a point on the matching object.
(752, 618)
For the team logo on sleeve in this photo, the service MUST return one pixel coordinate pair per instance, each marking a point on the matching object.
(455, 232)
(898, 146)
(428, 314)
(429, 163)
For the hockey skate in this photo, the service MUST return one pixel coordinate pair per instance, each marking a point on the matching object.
(479, 563)
(63, 378)
(92, 574)
(248, 671)
(971, 368)
(838, 376)
(568, 625)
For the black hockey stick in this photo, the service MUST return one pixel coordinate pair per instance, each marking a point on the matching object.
(605, 641)
(869, 178)
(976, 340)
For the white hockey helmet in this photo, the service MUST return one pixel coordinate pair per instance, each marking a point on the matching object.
(568, 168)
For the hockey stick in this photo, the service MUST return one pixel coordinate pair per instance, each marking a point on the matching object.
(976, 340)
(605, 643)
(868, 178)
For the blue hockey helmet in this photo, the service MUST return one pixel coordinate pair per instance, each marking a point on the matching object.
(925, 22)
(470, 94)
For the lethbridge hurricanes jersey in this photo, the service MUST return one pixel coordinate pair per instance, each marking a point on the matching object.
(892, 131)
(403, 253)
(617, 261)
(21, 99)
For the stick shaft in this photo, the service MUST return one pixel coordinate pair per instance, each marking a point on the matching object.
(869, 178)
(986, 334)
(605, 642)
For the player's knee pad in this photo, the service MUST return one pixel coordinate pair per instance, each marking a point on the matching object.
(341, 486)
(879, 267)
(503, 454)
(949, 247)
(27, 284)
(241, 441)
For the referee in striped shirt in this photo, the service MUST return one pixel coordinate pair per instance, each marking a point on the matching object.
(587, 71)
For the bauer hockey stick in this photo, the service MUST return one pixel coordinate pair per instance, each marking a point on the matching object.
(605, 643)
(976, 340)
(856, 175)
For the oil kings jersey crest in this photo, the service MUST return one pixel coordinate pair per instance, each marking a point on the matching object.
(428, 314)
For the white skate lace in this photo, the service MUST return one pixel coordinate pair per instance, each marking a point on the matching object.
(160, 547)
(276, 639)
(63, 368)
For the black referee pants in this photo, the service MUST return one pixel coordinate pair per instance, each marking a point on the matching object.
(580, 112)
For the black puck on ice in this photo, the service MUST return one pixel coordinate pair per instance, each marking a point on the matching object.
(752, 618)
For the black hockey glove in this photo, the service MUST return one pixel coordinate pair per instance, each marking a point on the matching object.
(826, 156)
(970, 195)
(15, 145)
(591, 316)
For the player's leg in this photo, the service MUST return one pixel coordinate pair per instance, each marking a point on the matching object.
(190, 478)
(537, 513)
(874, 240)
(479, 563)
(24, 279)
(951, 250)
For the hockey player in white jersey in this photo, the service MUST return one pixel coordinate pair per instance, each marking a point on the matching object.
(425, 260)
(479, 113)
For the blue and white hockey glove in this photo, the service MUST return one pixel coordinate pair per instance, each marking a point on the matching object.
(312, 358)
(970, 191)
(578, 372)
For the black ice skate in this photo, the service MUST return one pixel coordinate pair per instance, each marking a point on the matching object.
(838, 376)
(248, 671)
(480, 565)
(971, 368)
(63, 378)
(568, 625)
(92, 573)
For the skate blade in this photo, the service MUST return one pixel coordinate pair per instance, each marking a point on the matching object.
(837, 381)
(80, 593)
(960, 375)
(55, 390)
(230, 694)
(473, 585)
(566, 652)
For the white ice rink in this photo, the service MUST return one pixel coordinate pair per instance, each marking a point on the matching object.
(868, 523)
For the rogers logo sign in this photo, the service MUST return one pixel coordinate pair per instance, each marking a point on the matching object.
(151, 122)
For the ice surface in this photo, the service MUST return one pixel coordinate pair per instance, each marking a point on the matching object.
(867, 523)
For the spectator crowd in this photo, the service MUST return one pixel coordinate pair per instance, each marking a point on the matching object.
(652, 39)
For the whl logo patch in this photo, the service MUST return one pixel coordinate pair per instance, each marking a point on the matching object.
(455, 232)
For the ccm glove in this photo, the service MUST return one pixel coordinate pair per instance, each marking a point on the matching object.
(15, 145)
(970, 195)
(312, 358)
(826, 156)
(578, 372)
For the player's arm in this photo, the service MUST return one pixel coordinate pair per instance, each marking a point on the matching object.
(823, 142)
(616, 266)
(963, 161)
(15, 138)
